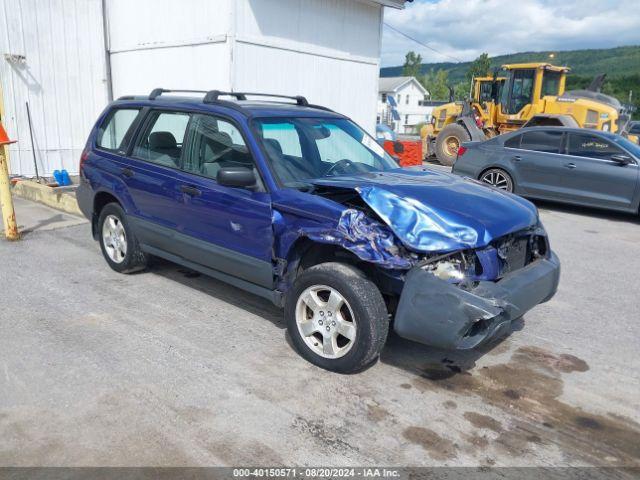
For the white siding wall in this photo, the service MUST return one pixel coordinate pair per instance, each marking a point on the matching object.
(327, 50)
(63, 79)
(186, 45)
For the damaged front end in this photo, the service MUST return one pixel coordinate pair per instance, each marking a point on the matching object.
(459, 301)
(455, 275)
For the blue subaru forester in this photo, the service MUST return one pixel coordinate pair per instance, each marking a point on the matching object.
(296, 203)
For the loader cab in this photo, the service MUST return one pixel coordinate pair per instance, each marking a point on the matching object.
(487, 89)
(525, 89)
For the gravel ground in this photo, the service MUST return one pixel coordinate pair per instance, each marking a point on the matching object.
(168, 367)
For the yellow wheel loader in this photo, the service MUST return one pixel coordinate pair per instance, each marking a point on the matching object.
(529, 94)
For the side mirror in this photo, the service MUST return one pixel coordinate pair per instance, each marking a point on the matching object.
(621, 159)
(236, 177)
(398, 147)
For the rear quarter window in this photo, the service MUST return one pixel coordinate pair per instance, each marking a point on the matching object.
(114, 128)
(513, 142)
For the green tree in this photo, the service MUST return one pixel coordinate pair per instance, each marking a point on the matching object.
(461, 90)
(412, 65)
(437, 84)
(480, 67)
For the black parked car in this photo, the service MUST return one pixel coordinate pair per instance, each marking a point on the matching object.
(572, 165)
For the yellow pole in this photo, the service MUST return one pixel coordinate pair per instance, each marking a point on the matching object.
(6, 202)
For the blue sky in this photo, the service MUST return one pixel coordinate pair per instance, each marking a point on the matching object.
(466, 28)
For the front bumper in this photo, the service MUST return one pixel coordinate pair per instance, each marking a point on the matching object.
(440, 314)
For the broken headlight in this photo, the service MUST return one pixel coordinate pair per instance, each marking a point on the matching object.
(454, 268)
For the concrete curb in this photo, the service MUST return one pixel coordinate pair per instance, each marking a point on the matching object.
(60, 200)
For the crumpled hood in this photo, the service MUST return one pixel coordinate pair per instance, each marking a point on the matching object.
(431, 211)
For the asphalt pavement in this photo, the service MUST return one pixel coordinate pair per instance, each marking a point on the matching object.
(170, 368)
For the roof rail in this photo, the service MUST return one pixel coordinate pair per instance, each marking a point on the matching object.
(156, 92)
(212, 96)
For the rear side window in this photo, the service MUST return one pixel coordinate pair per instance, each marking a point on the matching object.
(513, 142)
(592, 146)
(115, 127)
(542, 141)
(161, 141)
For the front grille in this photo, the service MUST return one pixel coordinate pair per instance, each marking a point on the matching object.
(514, 253)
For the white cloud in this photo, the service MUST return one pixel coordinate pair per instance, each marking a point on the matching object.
(466, 28)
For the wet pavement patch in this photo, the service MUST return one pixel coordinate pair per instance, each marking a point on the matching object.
(527, 389)
(483, 421)
(439, 448)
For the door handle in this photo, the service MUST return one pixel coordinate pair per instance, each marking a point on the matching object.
(193, 191)
(516, 158)
(127, 172)
(570, 165)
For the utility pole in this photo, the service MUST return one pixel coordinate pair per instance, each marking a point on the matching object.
(6, 202)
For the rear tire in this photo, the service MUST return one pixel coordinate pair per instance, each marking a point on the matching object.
(327, 301)
(448, 141)
(118, 243)
(498, 178)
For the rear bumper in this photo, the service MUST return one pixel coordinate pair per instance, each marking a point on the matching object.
(436, 313)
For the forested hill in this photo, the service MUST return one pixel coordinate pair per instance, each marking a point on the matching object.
(619, 61)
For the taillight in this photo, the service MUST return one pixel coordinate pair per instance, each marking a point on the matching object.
(461, 151)
(83, 158)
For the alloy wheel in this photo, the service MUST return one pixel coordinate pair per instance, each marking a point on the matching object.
(325, 321)
(498, 179)
(114, 238)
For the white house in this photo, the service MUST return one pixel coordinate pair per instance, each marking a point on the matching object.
(69, 59)
(408, 95)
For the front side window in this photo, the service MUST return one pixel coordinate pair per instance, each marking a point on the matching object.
(592, 146)
(212, 144)
(302, 149)
(162, 140)
(542, 141)
(113, 130)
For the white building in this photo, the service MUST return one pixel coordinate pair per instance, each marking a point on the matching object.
(408, 95)
(69, 59)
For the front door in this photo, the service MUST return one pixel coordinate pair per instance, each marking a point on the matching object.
(594, 178)
(225, 228)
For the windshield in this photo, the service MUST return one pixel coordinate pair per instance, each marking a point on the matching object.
(301, 149)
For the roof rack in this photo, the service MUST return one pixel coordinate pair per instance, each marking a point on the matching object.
(213, 95)
(156, 92)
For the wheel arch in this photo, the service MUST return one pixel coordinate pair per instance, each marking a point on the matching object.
(100, 200)
(305, 253)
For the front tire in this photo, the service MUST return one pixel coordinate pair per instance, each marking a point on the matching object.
(118, 243)
(336, 317)
(448, 141)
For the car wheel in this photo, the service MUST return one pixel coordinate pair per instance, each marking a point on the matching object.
(448, 141)
(119, 245)
(498, 178)
(336, 317)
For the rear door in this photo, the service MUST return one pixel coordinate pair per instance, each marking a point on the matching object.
(538, 162)
(150, 177)
(228, 229)
(594, 178)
